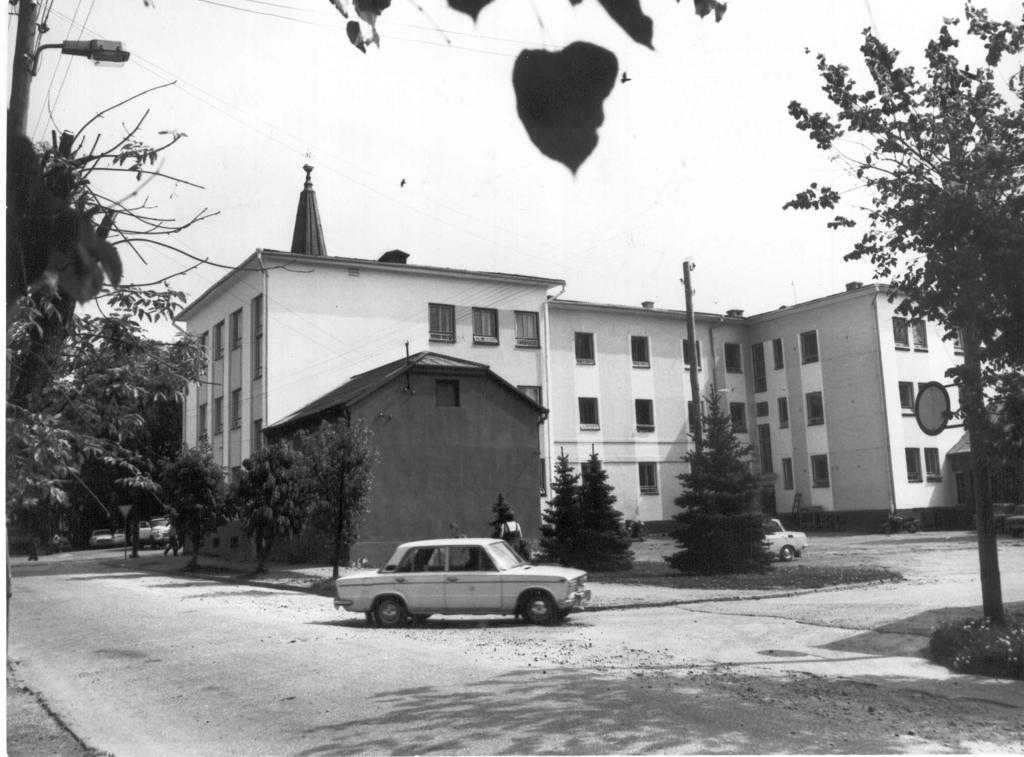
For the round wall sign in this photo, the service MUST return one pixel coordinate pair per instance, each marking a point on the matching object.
(931, 409)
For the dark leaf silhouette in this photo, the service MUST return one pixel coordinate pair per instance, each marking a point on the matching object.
(560, 98)
(704, 7)
(629, 15)
(469, 7)
(355, 35)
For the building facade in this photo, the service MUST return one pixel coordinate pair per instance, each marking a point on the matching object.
(823, 391)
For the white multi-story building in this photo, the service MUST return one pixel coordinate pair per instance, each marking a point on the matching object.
(823, 391)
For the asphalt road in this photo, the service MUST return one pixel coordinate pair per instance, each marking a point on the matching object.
(136, 663)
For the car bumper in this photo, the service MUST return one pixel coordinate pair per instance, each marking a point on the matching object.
(576, 600)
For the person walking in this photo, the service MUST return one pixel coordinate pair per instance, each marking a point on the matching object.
(511, 532)
(33, 549)
(172, 542)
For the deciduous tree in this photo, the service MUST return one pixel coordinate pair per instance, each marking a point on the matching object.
(193, 488)
(940, 153)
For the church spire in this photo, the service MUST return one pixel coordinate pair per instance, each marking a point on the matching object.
(308, 237)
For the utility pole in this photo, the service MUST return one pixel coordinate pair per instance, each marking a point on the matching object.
(691, 336)
(21, 76)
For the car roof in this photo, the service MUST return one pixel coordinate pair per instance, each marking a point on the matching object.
(102, 531)
(454, 541)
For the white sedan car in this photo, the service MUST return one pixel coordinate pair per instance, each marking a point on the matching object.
(461, 577)
(783, 543)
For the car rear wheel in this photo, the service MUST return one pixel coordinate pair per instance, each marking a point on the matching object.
(787, 553)
(540, 609)
(390, 612)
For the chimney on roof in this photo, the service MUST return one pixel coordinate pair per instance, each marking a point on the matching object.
(734, 313)
(308, 237)
(647, 304)
(394, 256)
(850, 286)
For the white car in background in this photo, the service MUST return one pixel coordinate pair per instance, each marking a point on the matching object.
(783, 543)
(461, 577)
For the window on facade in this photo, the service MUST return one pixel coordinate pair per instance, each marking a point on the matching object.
(787, 473)
(958, 341)
(648, 477)
(783, 412)
(692, 414)
(236, 408)
(815, 409)
(688, 353)
(777, 353)
(932, 466)
(738, 417)
(913, 455)
(446, 392)
(533, 392)
(760, 374)
(256, 443)
(907, 395)
(733, 362)
(235, 329)
(919, 333)
(527, 329)
(764, 447)
(202, 430)
(819, 471)
(543, 477)
(588, 413)
(485, 326)
(584, 348)
(442, 323)
(218, 416)
(644, 415)
(809, 346)
(900, 332)
(257, 336)
(761, 409)
(204, 345)
(640, 348)
(218, 341)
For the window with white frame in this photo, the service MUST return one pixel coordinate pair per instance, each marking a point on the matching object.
(218, 341)
(236, 408)
(256, 443)
(644, 415)
(202, 429)
(527, 329)
(913, 455)
(819, 471)
(485, 326)
(640, 349)
(218, 416)
(738, 417)
(235, 329)
(919, 334)
(787, 473)
(584, 345)
(777, 354)
(907, 396)
(958, 341)
(758, 367)
(764, 447)
(442, 322)
(901, 332)
(589, 419)
(815, 409)
(256, 310)
(648, 473)
(783, 403)
(733, 360)
(809, 346)
(533, 392)
(761, 409)
(932, 466)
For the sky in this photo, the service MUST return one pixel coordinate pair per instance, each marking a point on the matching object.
(417, 146)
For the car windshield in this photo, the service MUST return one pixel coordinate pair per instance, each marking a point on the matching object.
(101, 532)
(504, 556)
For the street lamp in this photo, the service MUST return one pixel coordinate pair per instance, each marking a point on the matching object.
(99, 50)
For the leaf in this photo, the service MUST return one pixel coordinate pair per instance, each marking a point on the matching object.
(355, 35)
(629, 15)
(560, 97)
(469, 7)
(704, 7)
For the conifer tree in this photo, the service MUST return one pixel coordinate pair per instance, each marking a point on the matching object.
(502, 513)
(720, 529)
(603, 538)
(561, 518)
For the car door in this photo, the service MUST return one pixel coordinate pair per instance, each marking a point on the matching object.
(420, 576)
(472, 583)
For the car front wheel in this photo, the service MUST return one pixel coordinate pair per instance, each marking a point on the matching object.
(390, 612)
(540, 609)
(787, 553)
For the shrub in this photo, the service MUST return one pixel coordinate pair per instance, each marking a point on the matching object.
(718, 544)
(977, 646)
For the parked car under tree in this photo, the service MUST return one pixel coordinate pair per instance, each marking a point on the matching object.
(461, 577)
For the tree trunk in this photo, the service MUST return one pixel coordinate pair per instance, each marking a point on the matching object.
(972, 401)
